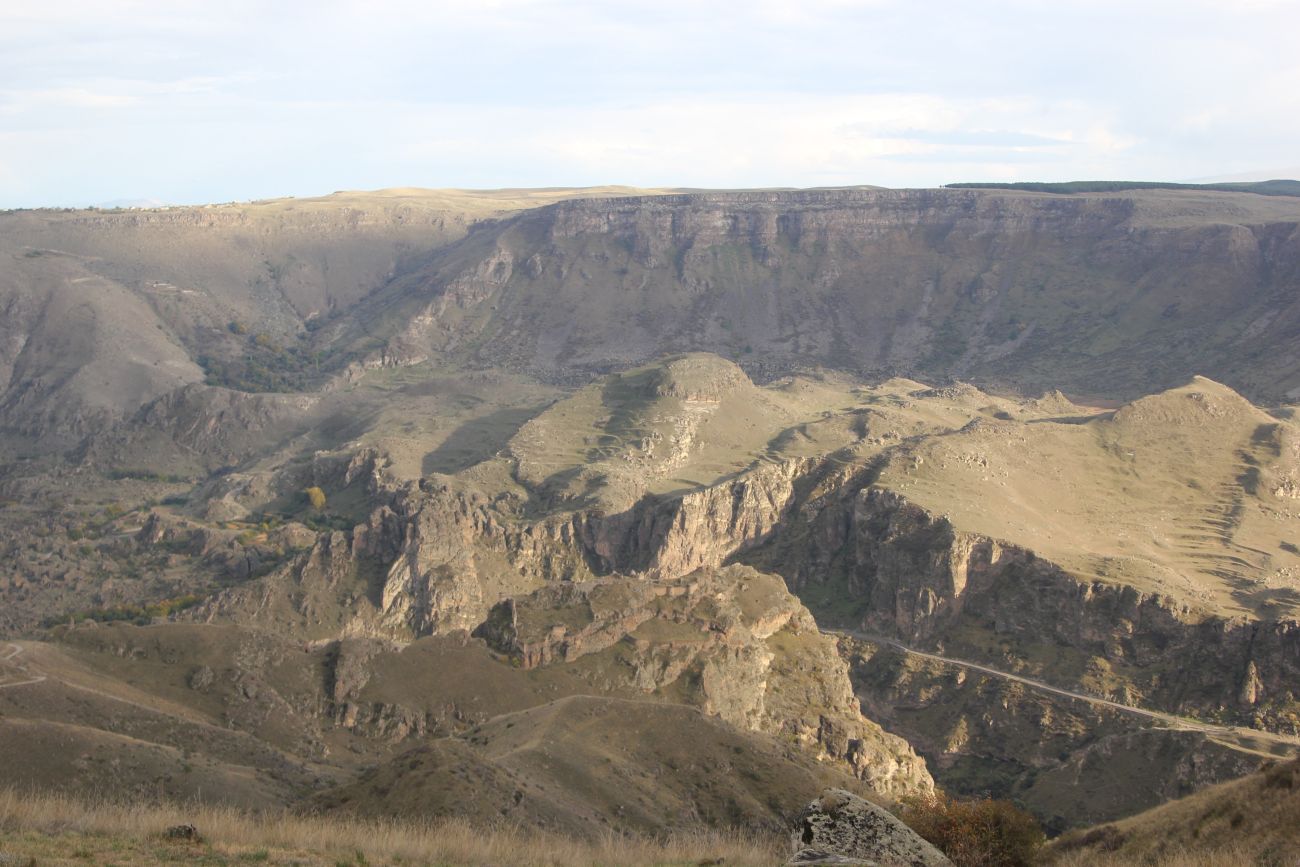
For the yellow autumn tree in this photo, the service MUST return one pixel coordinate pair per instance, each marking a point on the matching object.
(316, 497)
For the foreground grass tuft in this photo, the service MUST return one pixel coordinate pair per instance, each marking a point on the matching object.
(56, 829)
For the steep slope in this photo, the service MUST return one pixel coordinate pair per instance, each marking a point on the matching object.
(1254, 820)
(445, 726)
(1186, 494)
(104, 311)
(1116, 294)
(1112, 294)
(1071, 762)
(590, 766)
(513, 411)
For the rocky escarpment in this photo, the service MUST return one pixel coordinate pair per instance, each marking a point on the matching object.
(732, 641)
(438, 555)
(437, 558)
(916, 577)
(621, 593)
(928, 283)
(1069, 761)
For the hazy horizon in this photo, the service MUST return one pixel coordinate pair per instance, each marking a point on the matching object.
(187, 103)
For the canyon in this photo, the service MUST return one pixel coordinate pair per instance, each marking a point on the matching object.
(720, 498)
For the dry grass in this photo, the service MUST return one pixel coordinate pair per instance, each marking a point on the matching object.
(1254, 820)
(52, 829)
(1233, 857)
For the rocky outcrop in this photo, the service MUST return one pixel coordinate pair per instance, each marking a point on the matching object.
(732, 641)
(439, 555)
(912, 575)
(842, 828)
(1067, 761)
(676, 535)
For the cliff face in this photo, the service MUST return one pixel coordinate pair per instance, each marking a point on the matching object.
(1114, 294)
(896, 570)
(1035, 291)
(436, 559)
(436, 556)
(924, 580)
(732, 641)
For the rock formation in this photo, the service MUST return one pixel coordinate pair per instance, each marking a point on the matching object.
(841, 824)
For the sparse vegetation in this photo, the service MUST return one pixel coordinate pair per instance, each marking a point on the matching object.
(55, 828)
(266, 366)
(1254, 820)
(138, 614)
(976, 833)
(315, 498)
(145, 476)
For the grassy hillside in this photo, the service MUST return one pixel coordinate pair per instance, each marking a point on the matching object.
(59, 830)
(1254, 820)
(1187, 493)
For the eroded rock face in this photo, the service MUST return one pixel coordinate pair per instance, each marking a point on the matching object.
(841, 824)
(731, 640)
(923, 578)
(921, 281)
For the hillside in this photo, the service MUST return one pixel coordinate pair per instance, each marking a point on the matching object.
(1115, 294)
(1254, 820)
(1186, 494)
(107, 310)
(50, 829)
(489, 504)
(587, 556)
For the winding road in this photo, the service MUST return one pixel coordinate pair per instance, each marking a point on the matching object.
(1235, 737)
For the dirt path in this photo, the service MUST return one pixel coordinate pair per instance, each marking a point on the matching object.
(1235, 737)
(12, 653)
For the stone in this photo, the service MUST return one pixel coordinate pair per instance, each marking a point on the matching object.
(183, 833)
(842, 825)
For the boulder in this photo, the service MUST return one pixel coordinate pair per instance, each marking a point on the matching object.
(842, 828)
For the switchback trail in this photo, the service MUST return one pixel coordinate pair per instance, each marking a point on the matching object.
(1255, 741)
(12, 653)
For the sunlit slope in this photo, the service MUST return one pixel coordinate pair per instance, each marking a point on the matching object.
(1190, 493)
(694, 420)
(1254, 820)
(103, 311)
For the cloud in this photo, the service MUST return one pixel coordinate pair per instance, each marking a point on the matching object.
(191, 100)
(978, 138)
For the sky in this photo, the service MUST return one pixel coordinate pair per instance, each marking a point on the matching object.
(229, 100)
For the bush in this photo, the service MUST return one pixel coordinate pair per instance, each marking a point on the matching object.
(138, 614)
(315, 497)
(980, 833)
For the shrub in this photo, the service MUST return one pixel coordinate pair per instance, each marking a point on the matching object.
(315, 497)
(1106, 838)
(139, 614)
(978, 833)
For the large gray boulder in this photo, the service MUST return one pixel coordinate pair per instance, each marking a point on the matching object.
(841, 828)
